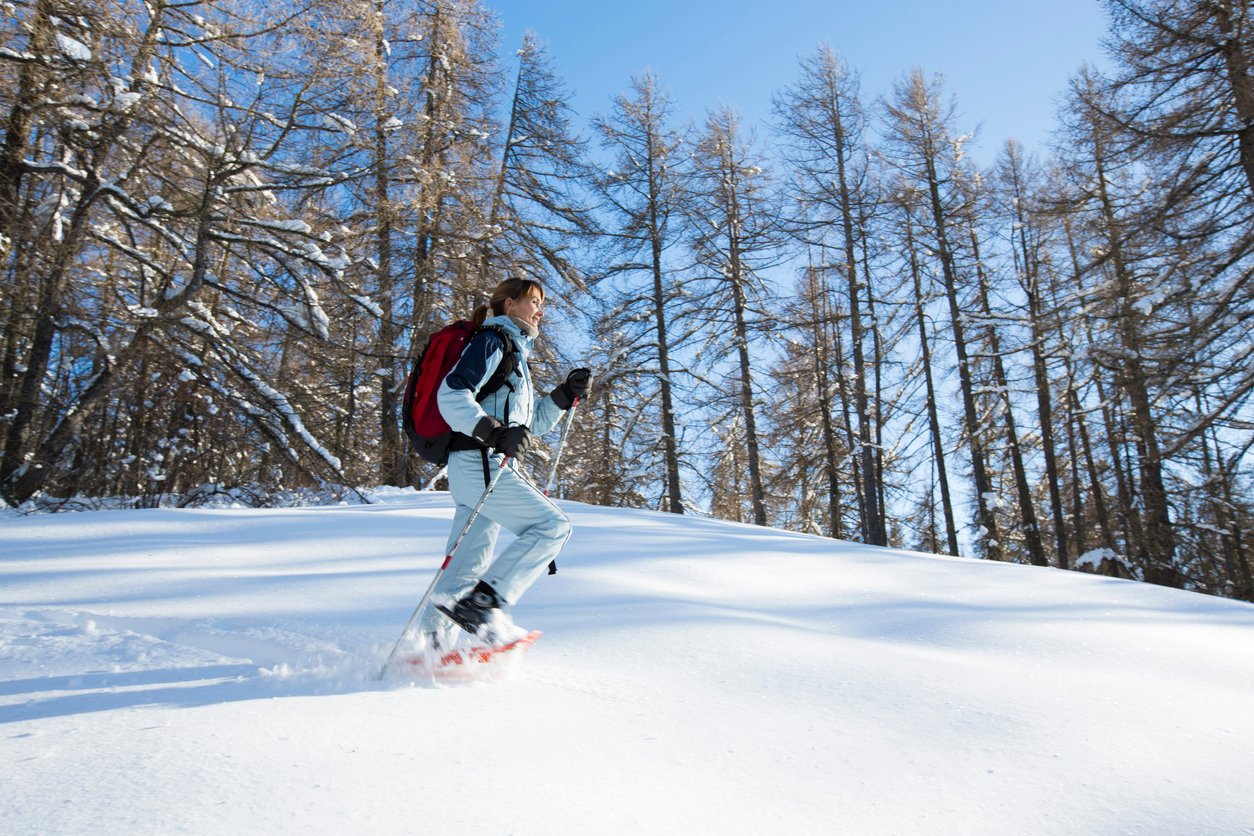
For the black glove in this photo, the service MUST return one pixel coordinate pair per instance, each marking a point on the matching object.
(577, 385)
(512, 441)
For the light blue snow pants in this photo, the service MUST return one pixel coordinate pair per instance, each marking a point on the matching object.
(540, 526)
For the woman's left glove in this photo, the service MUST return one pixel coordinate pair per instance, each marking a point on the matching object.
(577, 385)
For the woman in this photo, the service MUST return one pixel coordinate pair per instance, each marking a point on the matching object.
(475, 590)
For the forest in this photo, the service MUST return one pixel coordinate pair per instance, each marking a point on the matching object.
(227, 229)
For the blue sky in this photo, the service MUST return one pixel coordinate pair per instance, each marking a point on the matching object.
(1007, 62)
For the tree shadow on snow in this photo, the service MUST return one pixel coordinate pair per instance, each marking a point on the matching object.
(190, 687)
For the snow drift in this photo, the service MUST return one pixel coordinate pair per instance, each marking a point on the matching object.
(210, 671)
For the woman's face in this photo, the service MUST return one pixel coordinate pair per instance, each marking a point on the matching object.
(529, 307)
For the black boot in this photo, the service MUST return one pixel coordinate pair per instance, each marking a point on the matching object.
(475, 609)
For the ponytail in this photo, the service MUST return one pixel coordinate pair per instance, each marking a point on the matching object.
(508, 289)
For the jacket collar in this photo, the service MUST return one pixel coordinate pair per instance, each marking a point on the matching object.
(523, 341)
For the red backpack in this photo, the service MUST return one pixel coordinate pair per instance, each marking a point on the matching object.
(428, 432)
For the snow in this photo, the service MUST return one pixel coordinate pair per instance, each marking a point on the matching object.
(367, 303)
(283, 225)
(1094, 557)
(125, 101)
(210, 671)
(73, 49)
(339, 123)
(13, 55)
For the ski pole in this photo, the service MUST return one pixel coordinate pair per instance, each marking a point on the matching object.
(561, 445)
(557, 458)
(448, 558)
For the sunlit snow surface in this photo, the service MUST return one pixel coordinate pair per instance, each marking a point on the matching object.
(212, 671)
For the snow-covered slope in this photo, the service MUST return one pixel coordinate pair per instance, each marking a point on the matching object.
(210, 672)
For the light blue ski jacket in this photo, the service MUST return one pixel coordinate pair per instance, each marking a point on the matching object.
(456, 396)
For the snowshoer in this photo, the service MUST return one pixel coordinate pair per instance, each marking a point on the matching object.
(475, 591)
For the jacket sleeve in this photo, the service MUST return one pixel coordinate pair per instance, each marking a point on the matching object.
(456, 396)
(546, 416)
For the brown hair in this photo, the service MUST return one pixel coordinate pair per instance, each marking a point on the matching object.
(509, 289)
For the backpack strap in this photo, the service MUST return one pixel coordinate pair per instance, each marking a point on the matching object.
(507, 366)
(499, 378)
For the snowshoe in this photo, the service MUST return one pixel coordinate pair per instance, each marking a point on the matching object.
(475, 663)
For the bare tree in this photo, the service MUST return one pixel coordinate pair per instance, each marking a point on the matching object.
(924, 151)
(537, 213)
(804, 436)
(1001, 402)
(1183, 84)
(735, 235)
(909, 203)
(822, 123)
(1018, 181)
(169, 180)
(643, 194)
